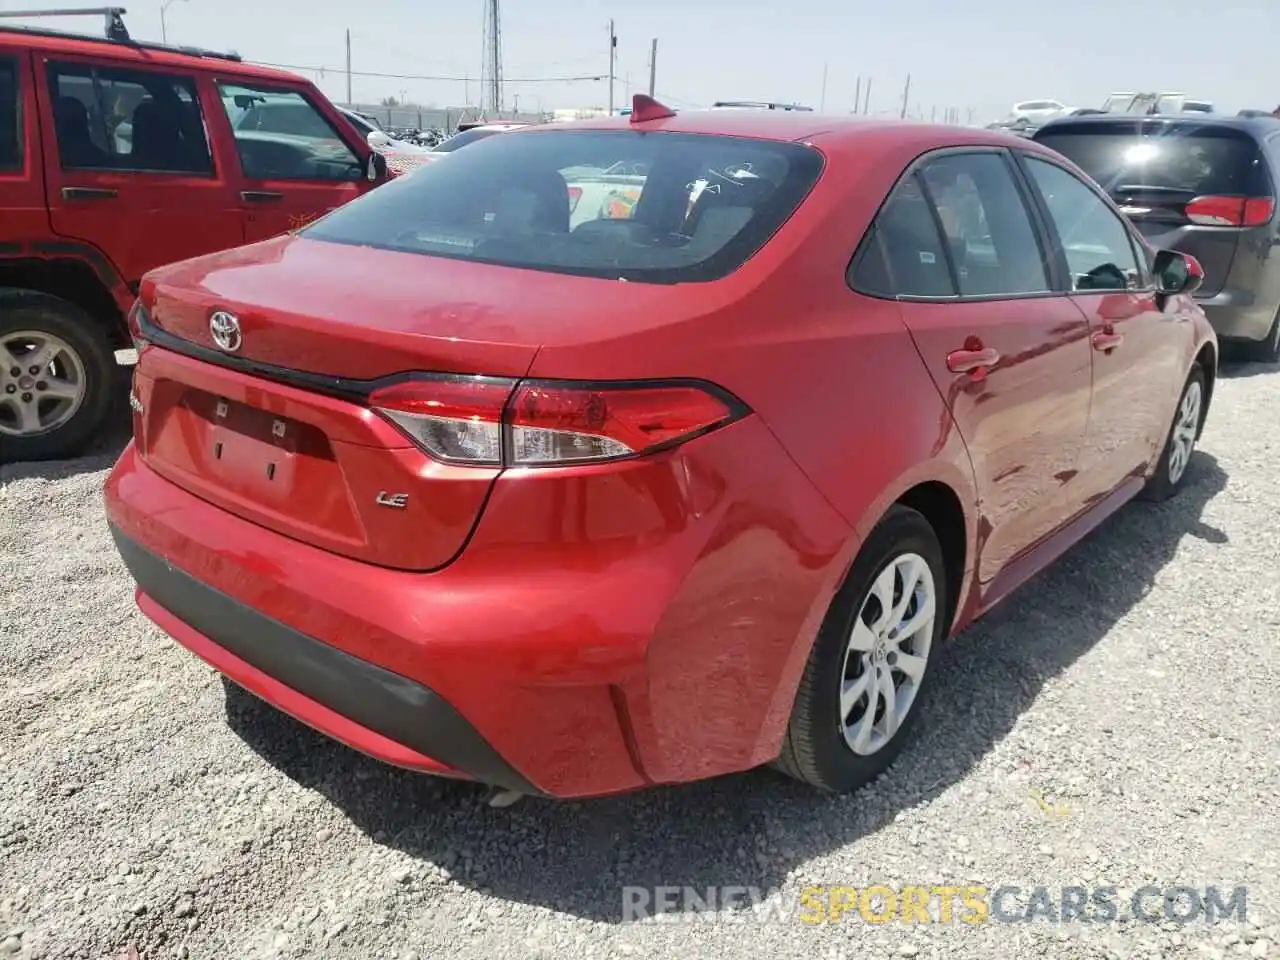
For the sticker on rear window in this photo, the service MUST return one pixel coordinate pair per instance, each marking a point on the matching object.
(927, 257)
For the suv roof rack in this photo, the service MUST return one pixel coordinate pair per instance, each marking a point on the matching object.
(757, 105)
(114, 30)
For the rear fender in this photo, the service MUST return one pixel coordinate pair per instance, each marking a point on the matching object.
(74, 271)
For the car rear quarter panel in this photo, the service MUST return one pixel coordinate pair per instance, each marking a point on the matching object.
(834, 375)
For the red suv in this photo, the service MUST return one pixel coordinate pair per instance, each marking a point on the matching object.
(581, 498)
(117, 157)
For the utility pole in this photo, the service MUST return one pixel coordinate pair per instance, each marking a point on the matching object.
(491, 70)
(164, 29)
(613, 55)
(822, 101)
(857, 95)
(653, 67)
(906, 94)
(866, 98)
(349, 100)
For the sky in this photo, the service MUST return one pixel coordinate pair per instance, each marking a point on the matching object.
(973, 55)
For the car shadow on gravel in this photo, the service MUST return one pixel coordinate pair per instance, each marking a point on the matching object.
(112, 438)
(1242, 369)
(750, 829)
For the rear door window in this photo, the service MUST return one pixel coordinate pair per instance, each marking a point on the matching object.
(112, 118)
(1149, 158)
(903, 253)
(10, 116)
(986, 225)
(281, 135)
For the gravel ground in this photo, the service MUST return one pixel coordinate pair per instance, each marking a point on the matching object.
(1113, 724)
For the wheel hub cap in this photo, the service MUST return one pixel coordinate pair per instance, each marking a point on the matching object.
(42, 383)
(887, 653)
(1182, 440)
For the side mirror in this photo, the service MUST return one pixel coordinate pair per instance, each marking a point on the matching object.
(377, 169)
(377, 140)
(1177, 272)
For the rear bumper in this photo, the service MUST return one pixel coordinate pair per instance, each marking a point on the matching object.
(604, 630)
(1237, 315)
(365, 706)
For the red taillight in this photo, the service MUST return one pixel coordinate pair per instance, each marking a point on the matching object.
(455, 419)
(575, 194)
(478, 421)
(1231, 211)
(562, 423)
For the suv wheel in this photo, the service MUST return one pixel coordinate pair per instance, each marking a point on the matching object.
(56, 371)
(861, 690)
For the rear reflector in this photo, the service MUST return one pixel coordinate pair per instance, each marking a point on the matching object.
(1231, 211)
(480, 421)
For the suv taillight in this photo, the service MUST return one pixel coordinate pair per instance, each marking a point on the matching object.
(1231, 211)
(487, 421)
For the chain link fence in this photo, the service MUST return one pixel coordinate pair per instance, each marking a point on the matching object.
(407, 116)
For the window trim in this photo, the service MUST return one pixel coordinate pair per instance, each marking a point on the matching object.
(220, 80)
(20, 119)
(1136, 246)
(912, 170)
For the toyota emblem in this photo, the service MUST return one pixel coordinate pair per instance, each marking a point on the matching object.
(225, 330)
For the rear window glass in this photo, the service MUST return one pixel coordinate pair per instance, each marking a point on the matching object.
(653, 207)
(1200, 160)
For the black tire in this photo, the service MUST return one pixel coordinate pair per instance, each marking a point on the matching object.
(1161, 486)
(1268, 349)
(815, 750)
(22, 310)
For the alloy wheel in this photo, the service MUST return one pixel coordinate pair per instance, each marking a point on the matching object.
(1182, 440)
(42, 383)
(887, 653)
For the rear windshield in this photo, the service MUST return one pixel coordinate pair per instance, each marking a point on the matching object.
(1199, 160)
(652, 207)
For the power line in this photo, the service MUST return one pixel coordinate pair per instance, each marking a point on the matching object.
(399, 51)
(664, 97)
(415, 76)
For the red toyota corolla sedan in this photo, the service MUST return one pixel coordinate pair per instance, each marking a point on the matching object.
(491, 484)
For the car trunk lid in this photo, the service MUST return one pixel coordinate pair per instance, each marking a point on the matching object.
(280, 431)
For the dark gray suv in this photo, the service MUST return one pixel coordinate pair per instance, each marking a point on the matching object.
(1202, 185)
